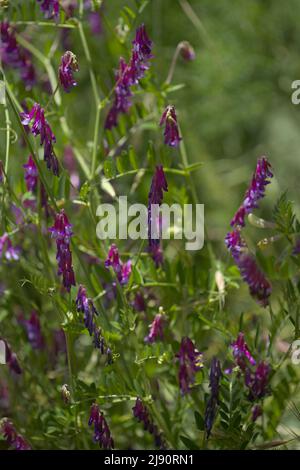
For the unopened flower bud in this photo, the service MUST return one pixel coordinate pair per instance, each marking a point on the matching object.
(187, 51)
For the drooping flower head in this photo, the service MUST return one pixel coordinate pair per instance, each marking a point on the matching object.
(31, 174)
(33, 329)
(155, 197)
(141, 413)
(68, 65)
(214, 384)
(255, 192)
(256, 412)
(62, 232)
(7, 250)
(121, 270)
(12, 437)
(241, 353)
(258, 381)
(102, 433)
(128, 75)
(259, 286)
(171, 133)
(15, 56)
(50, 8)
(190, 362)
(187, 51)
(156, 329)
(40, 126)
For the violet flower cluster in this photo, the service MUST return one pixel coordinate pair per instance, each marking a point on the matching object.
(158, 186)
(121, 270)
(156, 329)
(61, 231)
(86, 306)
(259, 287)
(7, 250)
(15, 56)
(254, 193)
(102, 434)
(141, 413)
(130, 74)
(214, 384)
(171, 133)
(50, 8)
(33, 330)
(256, 376)
(41, 127)
(67, 66)
(190, 362)
(12, 437)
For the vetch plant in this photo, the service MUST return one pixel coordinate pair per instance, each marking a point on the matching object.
(120, 341)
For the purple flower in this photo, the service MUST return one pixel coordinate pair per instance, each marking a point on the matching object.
(257, 382)
(11, 253)
(67, 66)
(129, 75)
(102, 433)
(187, 51)
(255, 192)
(1, 172)
(87, 307)
(259, 287)
(62, 232)
(13, 439)
(11, 359)
(190, 362)
(158, 186)
(31, 174)
(141, 413)
(296, 250)
(33, 329)
(50, 8)
(121, 270)
(41, 127)
(241, 352)
(214, 384)
(156, 329)
(171, 133)
(15, 56)
(69, 7)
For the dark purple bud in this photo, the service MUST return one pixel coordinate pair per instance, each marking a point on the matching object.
(171, 133)
(11, 359)
(256, 412)
(141, 413)
(67, 66)
(62, 232)
(102, 433)
(190, 362)
(258, 381)
(158, 186)
(187, 51)
(11, 436)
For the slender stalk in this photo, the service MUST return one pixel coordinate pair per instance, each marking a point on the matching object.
(173, 65)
